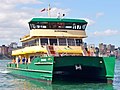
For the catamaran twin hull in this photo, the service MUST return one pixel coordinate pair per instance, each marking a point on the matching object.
(67, 68)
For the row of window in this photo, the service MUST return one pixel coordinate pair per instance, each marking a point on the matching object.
(57, 25)
(49, 41)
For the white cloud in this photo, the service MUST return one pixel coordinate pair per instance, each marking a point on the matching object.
(107, 32)
(15, 15)
(14, 18)
(99, 14)
(90, 22)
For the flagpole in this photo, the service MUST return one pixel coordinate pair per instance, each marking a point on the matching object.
(49, 11)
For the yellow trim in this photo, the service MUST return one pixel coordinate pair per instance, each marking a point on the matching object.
(54, 33)
(39, 49)
(70, 51)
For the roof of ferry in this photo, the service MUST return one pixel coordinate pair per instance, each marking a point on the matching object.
(57, 20)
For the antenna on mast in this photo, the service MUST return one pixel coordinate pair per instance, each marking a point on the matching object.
(49, 11)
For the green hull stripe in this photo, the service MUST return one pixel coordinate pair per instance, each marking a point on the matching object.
(31, 70)
(40, 63)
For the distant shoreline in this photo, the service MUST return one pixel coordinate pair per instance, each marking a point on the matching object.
(5, 59)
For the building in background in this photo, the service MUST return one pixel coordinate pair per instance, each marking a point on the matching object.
(13, 45)
(106, 49)
(3, 50)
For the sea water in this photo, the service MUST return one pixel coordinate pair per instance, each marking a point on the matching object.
(9, 82)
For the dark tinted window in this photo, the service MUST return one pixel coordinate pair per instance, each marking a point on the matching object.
(71, 42)
(44, 41)
(53, 41)
(78, 42)
(57, 25)
(62, 41)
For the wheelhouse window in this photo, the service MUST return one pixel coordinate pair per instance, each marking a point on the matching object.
(44, 41)
(78, 42)
(58, 25)
(38, 25)
(71, 42)
(62, 41)
(84, 26)
(53, 41)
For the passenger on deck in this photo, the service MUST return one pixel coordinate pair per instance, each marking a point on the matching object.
(14, 61)
(23, 60)
(18, 59)
(26, 60)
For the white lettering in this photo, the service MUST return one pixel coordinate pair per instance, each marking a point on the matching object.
(43, 59)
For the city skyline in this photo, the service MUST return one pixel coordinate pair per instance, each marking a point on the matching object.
(102, 18)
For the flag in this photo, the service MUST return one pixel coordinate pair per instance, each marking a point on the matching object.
(43, 10)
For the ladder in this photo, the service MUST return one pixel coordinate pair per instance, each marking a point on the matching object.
(50, 50)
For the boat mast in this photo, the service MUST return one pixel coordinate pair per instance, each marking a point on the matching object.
(49, 11)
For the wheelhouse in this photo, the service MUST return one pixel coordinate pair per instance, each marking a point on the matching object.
(57, 23)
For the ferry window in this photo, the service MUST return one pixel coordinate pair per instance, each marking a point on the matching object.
(52, 25)
(74, 25)
(78, 26)
(84, 26)
(78, 42)
(31, 43)
(25, 44)
(30, 25)
(33, 26)
(62, 41)
(38, 26)
(44, 26)
(71, 42)
(60, 25)
(53, 41)
(36, 42)
(68, 25)
(57, 25)
(44, 41)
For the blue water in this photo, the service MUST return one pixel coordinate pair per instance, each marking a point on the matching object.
(8, 82)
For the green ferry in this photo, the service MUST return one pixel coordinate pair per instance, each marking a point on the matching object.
(54, 50)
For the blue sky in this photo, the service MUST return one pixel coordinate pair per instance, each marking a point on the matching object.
(102, 17)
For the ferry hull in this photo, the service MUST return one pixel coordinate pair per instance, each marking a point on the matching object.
(100, 69)
(67, 68)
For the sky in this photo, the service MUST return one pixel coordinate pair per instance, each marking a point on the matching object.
(103, 17)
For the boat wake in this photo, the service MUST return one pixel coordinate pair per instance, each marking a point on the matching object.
(4, 71)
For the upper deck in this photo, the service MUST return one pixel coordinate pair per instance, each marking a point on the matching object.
(58, 20)
(57, 23)
(56, 27)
